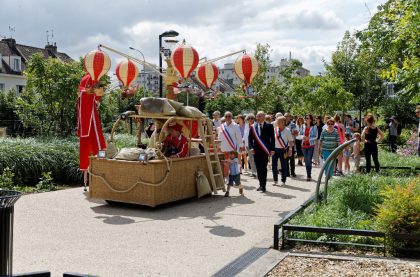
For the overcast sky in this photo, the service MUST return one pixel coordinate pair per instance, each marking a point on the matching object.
(310, 29)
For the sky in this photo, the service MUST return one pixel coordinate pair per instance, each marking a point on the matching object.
(310, 30)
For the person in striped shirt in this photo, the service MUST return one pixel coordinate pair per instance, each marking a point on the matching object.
(328, 142)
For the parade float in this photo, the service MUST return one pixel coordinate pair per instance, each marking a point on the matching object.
(147, 175)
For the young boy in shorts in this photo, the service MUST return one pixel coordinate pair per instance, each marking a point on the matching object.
(234, 173)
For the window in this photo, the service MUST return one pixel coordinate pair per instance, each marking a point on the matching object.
(2, 87)
(19, 89)
(16, 64)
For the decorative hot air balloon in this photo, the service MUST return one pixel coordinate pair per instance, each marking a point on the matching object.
(185, 60)
(97, 64)
(208, 74)
(126, 72)
(246, 67)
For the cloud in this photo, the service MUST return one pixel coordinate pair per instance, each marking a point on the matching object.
(309, 29)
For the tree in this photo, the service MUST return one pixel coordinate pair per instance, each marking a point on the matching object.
(48, 103)
(319, 95)
(393, 34)
(357, 68)
(237, 104)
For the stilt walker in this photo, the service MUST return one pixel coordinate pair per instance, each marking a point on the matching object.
(89, 129)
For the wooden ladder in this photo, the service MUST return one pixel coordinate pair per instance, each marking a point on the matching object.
(213, 162)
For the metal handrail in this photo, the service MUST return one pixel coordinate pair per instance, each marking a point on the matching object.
(329, 163)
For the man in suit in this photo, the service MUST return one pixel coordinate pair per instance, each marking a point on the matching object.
(261, 145)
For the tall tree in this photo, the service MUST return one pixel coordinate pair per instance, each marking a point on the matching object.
(357, 68)
(319, 95)
(48, 103)
(393, 34)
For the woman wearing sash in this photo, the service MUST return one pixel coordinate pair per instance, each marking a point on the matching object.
(283, 149)
(230, 138)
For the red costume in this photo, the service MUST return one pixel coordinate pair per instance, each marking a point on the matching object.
(180, 143)
(89, 127)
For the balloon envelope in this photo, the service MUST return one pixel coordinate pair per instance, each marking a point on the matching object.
(185, 60)
(246, 67)
(208, 74)
(97, 64)
(127, 72)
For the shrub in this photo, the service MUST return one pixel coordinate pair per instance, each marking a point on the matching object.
(400, 210)
(351, 204)
(46, 183)
(6, 179)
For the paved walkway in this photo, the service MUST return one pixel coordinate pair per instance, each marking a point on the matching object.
(63, 231)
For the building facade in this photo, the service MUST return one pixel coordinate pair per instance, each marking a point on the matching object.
(13, 60)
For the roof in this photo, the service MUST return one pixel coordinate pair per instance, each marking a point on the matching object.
(9, 47)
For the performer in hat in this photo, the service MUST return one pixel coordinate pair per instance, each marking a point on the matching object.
(175, 143)
(89, 129)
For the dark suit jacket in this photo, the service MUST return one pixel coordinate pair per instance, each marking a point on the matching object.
(267, 137)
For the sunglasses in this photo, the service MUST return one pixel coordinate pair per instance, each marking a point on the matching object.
(307, 118)
(228, 116)
(330, 123)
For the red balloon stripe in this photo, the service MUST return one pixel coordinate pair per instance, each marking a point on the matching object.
(131, 72)
(202, 75)
(247, 68)
(178, 58)
(98, 64)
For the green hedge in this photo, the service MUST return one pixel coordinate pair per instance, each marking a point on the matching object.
(29, 158)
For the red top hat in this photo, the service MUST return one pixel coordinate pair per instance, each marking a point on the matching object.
(177, 127)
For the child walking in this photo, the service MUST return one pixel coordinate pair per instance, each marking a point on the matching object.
(356, 152)
(347, 155)
(234, 173)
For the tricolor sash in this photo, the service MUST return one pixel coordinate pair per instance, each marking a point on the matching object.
(229, 139)
(259, 140)
(280, 139)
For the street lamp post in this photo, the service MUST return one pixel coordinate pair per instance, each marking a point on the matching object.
(170, 33)
(144, 69)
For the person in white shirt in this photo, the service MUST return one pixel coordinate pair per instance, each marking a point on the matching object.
(283, 148)
(230, 139)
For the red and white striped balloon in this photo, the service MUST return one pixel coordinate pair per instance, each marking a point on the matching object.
(246, 67)
(185, 60)
(208, 74)
(97, 64)
(126, 72)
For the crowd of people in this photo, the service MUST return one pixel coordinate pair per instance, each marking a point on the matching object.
(253, 144)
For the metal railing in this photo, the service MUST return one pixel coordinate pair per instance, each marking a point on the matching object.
(329, 164)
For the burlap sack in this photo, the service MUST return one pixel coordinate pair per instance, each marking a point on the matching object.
(203, 186)
(175, 104)
(152, 106)
(129, 154)
(190, 112)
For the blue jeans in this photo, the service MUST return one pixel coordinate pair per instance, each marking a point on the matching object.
(308, 153)
(279, 154)
(325, 155)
